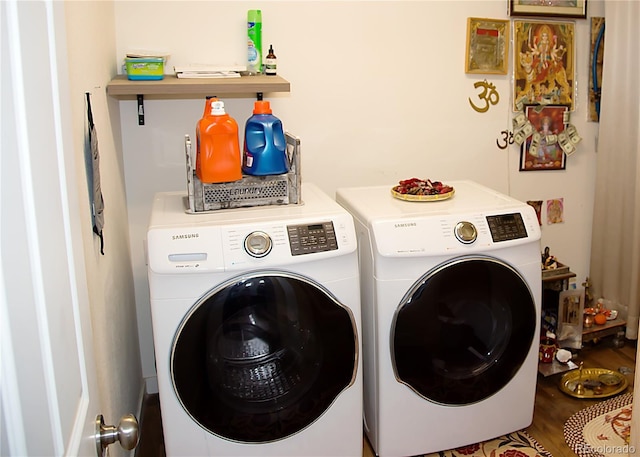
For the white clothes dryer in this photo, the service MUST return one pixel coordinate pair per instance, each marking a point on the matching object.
(256, 326)
(451, 295)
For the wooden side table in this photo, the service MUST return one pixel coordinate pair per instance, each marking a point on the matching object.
(616, 327)
(558, 281)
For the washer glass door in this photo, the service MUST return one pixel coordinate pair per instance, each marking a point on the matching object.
(262, 356)
(463, 330)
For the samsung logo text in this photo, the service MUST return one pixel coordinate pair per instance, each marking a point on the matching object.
(185, 236)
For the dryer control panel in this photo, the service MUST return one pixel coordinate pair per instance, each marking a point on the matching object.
(450, 234)
(506, 227)
(308, 238)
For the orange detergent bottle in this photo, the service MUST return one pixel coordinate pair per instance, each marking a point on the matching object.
(218, 156)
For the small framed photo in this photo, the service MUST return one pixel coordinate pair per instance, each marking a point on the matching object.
(541, 150)
(570, 318)
(551, 8)
(487, 46)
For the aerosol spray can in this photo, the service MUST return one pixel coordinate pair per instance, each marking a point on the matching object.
(254, 30)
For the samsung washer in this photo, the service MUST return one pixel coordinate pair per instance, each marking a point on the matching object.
(451, 313)
(256, 326)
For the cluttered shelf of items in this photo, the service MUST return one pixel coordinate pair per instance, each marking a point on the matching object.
(146, 75)
(145, 78)
(571, 319)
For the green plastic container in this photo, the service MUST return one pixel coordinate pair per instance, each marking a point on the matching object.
(254, 30)
(144, 68)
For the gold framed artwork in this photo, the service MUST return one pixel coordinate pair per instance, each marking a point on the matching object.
(554, 8)
(487, 46)
(543, 63)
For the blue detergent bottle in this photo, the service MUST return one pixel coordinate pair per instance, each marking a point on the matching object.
(264, 143)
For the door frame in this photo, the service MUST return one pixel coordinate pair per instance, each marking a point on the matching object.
(50, 395)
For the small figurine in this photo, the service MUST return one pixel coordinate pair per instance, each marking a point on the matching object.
(587, 292)
(545, 255)
(551, 263)
(548, 261)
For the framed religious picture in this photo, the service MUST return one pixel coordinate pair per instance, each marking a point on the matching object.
(537, 206)
(570, 318)
(487, 46)
(554, 8)
(543, 63)
(541, 150)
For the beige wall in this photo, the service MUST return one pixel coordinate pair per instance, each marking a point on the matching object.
(91, 56)
(378, 94)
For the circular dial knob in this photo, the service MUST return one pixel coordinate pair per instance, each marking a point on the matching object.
(465, 232)
(258, 244)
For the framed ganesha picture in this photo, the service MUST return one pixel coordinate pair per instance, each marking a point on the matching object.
(544, 63)
(541, 150)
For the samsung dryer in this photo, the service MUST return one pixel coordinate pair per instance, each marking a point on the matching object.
(256, 327)
(451, 294)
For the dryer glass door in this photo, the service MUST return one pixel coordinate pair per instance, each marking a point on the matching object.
(463, 331)
(262, 356)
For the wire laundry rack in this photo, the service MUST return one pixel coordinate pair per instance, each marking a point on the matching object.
(250, 190)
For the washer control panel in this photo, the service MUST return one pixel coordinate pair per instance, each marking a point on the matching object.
(309, 238)
(506, 227)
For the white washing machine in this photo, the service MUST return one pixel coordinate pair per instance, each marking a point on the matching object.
(256, 318)
(451, 295)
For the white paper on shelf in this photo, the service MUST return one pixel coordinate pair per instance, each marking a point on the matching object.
(208, 68)
(218, 74)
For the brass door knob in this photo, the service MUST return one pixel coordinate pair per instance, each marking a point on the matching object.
(127, 433)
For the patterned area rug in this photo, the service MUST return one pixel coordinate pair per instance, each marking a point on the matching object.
(517, 444)
(601, 430)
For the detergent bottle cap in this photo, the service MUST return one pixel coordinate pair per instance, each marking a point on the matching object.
(262, 107)
(217, 108)
(207, 105)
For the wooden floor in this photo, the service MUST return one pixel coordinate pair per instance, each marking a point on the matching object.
(552, 408)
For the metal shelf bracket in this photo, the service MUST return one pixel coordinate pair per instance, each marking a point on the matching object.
(140, 109)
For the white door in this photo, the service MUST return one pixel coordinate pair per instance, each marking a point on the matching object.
(49, 396)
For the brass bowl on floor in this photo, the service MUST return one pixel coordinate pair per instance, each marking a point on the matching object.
(597, 383)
